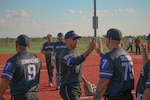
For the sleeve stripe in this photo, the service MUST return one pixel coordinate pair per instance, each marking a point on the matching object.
(5, 75)
(105, 74)
(68, 61)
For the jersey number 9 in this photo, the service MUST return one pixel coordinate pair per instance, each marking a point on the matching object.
(31, 71)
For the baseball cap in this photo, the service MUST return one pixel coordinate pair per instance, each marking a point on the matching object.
(23, 40)
(60, 34)
(71, 35)
(148, 37)
(49, 36)
(114, 34)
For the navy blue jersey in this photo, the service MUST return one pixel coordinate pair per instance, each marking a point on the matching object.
(144, 81)
(48, 47)
(70, 66)
(23, 71)
(59, 46)
(116, 65)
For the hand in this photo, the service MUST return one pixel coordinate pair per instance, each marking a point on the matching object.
(92, 45)
(144, 47)
(99, 48)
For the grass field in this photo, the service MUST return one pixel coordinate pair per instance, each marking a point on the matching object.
(7, 45)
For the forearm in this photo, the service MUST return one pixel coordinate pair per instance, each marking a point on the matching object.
(145, 57)
(3, 86)
(86, 53)
(146, 94)
(101, 88)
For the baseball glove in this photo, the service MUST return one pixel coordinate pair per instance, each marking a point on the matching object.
(89, 88)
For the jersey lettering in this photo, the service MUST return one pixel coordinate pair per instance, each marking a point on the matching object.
(128, 69)
(31, 71)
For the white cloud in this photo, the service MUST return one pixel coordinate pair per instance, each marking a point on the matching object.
(128, 10)
(80, 12)
(17, 14)
(104, 13)
(70, 11)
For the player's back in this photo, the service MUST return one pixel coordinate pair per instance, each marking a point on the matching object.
(26, 73)
(122, 79)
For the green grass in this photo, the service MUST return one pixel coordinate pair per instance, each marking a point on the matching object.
(7, 46)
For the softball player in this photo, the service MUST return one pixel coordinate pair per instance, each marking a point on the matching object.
(116, 76)
(143, 85)
(70, 67)
(48, 49)
(21, 73)
(59, 46)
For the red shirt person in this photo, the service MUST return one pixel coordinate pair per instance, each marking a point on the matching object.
(137, 45)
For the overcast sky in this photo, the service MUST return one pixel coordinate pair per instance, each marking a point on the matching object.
(37, 18)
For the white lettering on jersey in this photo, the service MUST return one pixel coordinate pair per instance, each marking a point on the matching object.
(27, 61)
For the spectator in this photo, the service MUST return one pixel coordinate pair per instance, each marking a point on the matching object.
(70, 67)
(48, 50)
(130, 42)
(59, 46)
(143, 85)
(116, 76)
(137, 46)
(21, 73)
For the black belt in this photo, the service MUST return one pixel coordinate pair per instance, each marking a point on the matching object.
(119, 94)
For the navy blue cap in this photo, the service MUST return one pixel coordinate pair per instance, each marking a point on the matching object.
(71, 35)
(49, 36)
(60, 34)
(23, 40)
(114, 34)
(148, 37)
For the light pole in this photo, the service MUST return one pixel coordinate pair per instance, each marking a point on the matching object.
(95, 21)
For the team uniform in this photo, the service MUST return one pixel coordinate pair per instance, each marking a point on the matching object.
(59, 46)
(71, 74)
(49, 47)
(116, 65)
(23, 71)
(144, 81)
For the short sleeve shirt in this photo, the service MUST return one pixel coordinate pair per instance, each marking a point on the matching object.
(23, 71)
(48, 47)
(144, 81)
(116, 65)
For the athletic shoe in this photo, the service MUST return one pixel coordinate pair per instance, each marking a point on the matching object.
(58, 87)
(50, 84)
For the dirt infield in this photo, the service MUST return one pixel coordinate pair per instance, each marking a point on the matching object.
(90, 71)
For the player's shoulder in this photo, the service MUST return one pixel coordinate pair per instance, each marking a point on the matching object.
(13, 58)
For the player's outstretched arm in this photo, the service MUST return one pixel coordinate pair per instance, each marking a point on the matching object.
(99, 46)
(144, 53)
(90, 48)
